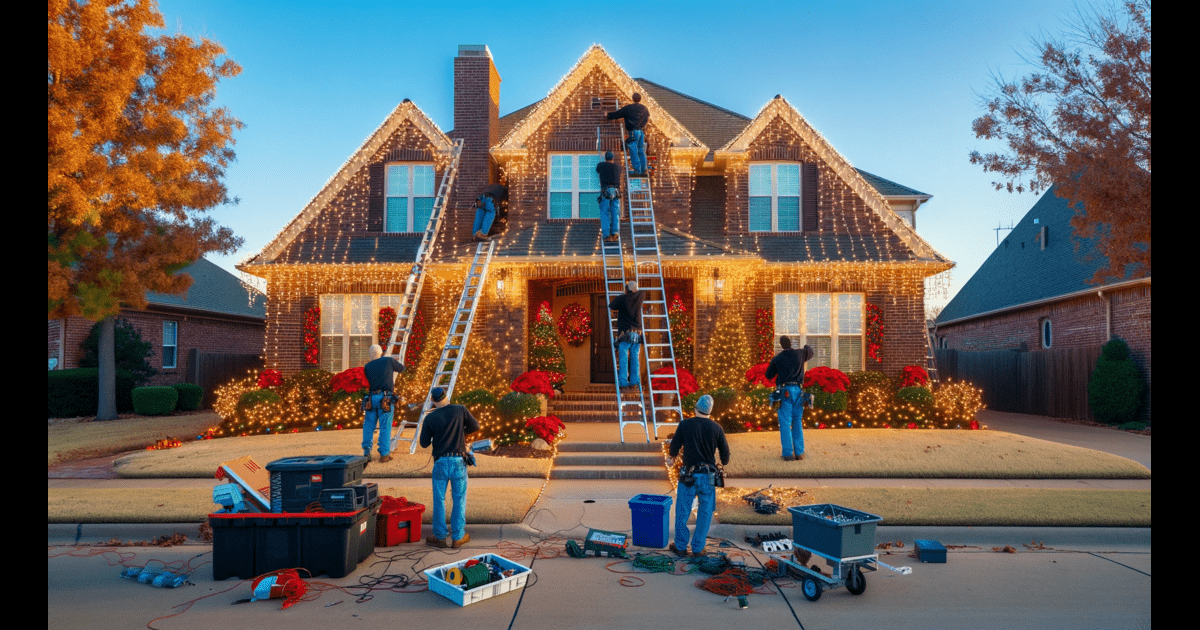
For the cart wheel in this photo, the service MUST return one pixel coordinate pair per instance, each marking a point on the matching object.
(811, 588)
(856, 583)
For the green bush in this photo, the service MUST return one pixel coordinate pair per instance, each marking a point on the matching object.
(916, 396)
(158, 400)
(76, 392)
(723, 400)
(760, 396)
(518, 406)
(475, 397)
(190, 396)
(863, 379)
(836, 401)
(688, 403)
(259, 397)
(1116, 390)
(130, 352)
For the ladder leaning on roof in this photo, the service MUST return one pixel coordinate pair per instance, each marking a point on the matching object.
(455, 351)
(406, 314)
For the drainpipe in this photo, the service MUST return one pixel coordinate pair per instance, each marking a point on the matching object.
(1107, 316)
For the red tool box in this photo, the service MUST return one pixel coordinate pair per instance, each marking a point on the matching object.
(399, 522)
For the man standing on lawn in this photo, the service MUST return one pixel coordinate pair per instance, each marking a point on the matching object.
(699, 438)
(446, 428)
(787, 368)
(381, 373)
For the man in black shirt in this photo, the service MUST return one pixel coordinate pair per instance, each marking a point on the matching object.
(445, 428)
(787, 368)
(381, 373)
(486, 206)
(698, 438)
(610, 197)
(636, 116)
(629, 334)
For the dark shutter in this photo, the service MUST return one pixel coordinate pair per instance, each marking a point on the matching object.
(375, 198)
(808, 211)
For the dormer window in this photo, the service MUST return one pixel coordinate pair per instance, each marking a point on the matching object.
(574, 185)
(409, 197)
(775, 197)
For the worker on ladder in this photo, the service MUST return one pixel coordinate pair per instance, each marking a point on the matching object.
(629, 334)
(486, 206)
(610, 197)
(636, 116)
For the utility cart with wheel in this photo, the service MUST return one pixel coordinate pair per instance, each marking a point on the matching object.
(832, 547)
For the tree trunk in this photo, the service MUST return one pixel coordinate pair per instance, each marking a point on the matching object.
(106, 408)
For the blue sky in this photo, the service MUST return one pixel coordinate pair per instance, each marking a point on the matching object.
(892, 85)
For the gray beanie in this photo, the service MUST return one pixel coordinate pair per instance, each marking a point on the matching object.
(704, 405)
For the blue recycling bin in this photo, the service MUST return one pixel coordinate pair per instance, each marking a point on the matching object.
(651, 520)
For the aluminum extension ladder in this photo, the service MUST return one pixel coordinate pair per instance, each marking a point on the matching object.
(455, 351)
(930, 360)
(406, 314)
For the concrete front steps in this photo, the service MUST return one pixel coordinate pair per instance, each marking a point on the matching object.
(598, 403)
(634, 459)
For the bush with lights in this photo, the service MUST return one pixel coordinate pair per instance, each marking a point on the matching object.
(955, 405)
(683, 333)
(545, 351)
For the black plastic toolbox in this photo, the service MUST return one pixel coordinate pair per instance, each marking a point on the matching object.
(297, 482)
(330, 543)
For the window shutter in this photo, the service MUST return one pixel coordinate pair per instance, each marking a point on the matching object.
(808, 211)
(375, 198)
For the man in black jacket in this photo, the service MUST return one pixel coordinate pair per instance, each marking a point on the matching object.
(445, 428)
(381, 373)
(787, 368)
(629, 334)
(699, 438)
(636, 116)
(610, 197)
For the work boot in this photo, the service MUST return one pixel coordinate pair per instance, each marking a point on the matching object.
(682, 553)
(367, 454)
(383, 459)
(480, 236)
(434, 541)
(462, 541)
(800, 457)
(699, 554)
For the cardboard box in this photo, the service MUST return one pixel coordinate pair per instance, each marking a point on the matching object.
(253, 478)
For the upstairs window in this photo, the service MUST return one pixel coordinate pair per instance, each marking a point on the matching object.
(574, 185)
(409, 197)
(775, 197)
(831, 323)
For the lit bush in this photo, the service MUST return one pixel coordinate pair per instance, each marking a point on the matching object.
(518, 406)
(957, 404)
(870, 403)
(864, 379)
(916, 396)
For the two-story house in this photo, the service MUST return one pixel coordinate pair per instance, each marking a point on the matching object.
(753, 212)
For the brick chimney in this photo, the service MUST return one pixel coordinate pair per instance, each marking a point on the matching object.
(476, 121)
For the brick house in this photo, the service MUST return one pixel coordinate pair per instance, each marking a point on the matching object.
(215, 315)
(753, 212)
(1033, 294)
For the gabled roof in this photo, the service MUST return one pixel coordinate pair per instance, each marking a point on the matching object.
(714, 126)
(1020, 272)
(570, 239)
(406, 111)
(216, 291)
(595, 57)
(778, 107)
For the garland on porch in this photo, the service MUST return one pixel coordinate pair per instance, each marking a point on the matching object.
(874, 332)
(387, 320)
(312, 335)
(575, 324)
(765, 327)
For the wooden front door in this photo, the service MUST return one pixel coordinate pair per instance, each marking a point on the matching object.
(602, 363)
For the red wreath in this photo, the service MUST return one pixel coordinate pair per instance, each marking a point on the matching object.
(575, 324)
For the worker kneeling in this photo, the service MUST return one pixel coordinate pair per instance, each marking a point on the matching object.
(445, 428)
(699, 438)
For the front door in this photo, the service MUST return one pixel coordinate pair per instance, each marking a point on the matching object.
(602, 362)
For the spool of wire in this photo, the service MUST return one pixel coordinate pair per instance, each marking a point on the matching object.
(454, 575)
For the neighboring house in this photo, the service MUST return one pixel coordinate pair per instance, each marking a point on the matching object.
(754, 212)
(215, 315)
(1033, 293)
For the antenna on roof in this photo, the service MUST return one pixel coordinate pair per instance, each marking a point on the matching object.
(998, 228)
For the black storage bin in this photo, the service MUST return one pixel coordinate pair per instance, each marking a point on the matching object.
(332, 543)
(297, 482)
(367, 540)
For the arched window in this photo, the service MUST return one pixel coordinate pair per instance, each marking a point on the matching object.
(1046, 333)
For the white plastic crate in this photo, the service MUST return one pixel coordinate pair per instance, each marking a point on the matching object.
(464, 597)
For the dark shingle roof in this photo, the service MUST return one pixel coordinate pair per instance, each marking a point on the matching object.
(381, 248)
(216, 290)
(821, 247)
(1019, 271)
(887, 187)
(562, 239)
(714, 126)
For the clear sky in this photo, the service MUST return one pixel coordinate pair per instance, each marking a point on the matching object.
(892, 85)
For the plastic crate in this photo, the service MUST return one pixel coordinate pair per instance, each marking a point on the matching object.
(930, 551)
(651, 520)
(296, 482)
(465, 597)
(333, 543)
(834, 530)
(399, 526)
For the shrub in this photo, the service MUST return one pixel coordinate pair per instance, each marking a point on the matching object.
(154, 401)
(535, 382)
(549, 428)
(826, 379)
(351, 381)
(475, 397)
(870, 403)
(723, 399)
(306, 398)
(258, 411)
(756, 376)
(913, 376)
(190, 396)
(76, 392)
(864, 379)
(957, 403)
(518, 406)
(130, 352)
(916, 396)
(760, 396)
(688, 402)
(829, 401)
(1116, 389)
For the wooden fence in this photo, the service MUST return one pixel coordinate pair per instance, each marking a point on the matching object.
(1045, 383)
(210, 370)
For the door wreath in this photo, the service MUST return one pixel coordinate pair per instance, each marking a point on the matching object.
(575, 324)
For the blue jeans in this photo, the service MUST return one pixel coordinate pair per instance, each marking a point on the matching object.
(454, 471)
(791, 425)
(637, 150)
(629, 355)
(610, 213)
(484, 216)
(382, 419)
(703, 488)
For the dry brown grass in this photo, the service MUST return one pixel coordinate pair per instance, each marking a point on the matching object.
(78, 438)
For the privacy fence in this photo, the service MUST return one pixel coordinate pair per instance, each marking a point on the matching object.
(1045, 383)
(210, 370)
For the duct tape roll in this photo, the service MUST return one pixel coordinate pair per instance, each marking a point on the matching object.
(454, 575)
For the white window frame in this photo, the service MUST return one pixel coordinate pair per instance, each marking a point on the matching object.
(793, 321)
(347, 328)
(174, 344)
(407, 190)
(582, 180)
(775, 196)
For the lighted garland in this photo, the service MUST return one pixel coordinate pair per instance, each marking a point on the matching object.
(683, 334)
(874, 332)
(312, 335)
(764, 325)
(387, 321)
(575, 324)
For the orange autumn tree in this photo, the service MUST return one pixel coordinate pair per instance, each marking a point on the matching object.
(136, 152)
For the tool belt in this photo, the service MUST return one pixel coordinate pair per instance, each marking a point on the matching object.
(633, 335)
(385, 403)
(609, 192)
(468, 457)
(687, 474)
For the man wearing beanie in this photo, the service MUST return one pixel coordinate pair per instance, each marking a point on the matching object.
(699, 438)
(445, 428)
(610, 197)
(787, 368)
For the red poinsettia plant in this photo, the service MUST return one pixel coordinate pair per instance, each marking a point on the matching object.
(312, 335)
(549, 428)
(270, 378)
(535, 382)
(757, 376)
(914, 376)
(687, 382)
(352, 381)
(830, 380)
